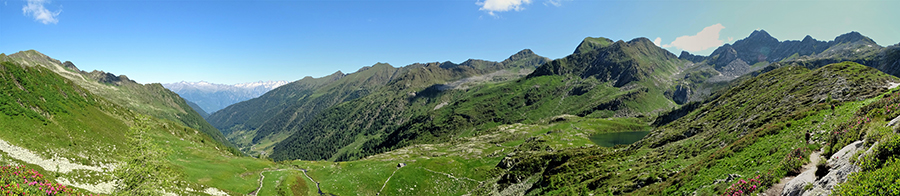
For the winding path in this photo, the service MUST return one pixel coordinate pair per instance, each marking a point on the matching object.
(261, 177)
(777, 189)
(386, 181)
(451, 176)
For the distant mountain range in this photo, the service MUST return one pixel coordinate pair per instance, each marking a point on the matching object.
(213, 97)
(736, 121)
(257, 124)
(760, 48)
(602, 78)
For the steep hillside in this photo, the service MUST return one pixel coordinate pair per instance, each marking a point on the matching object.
(197, 109)
(252, 113)
(743, 140)
(607, 81)
(261, 131)
(53, 126)
(262, 120)
(149, 99)
(214, 97)
(753, 132)
(619, 63)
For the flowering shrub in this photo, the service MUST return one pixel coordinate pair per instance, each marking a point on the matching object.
(16, 180)
(793, 162)
(744, 187)
(887, 107)
(846, 133)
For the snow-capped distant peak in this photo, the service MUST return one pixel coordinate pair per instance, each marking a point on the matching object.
(267, 84)
(212, 97)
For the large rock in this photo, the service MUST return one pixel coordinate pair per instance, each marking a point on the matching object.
(796, 185)
(840, 168)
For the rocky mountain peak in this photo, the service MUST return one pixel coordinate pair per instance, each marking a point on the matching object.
(592, 43)
(109, 78)
(808, 39)
(851, 37)
(524, 54)
(70, 65)
(641, 40)
(761, 35)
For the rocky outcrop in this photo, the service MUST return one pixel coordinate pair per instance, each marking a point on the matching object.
(735, 68)
(841, 167)
(722, 56)
(70, 65)
(889, 60)
(681, 94)
(108, 78)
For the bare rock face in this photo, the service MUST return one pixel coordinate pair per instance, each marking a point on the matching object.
(70, 65)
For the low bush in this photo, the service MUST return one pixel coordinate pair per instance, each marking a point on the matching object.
(888, 148)
(884, 181)
(794, 161)
(18, 180)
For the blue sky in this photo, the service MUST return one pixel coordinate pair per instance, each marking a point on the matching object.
(244, 41)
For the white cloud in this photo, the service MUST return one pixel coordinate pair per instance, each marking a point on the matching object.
(705, 39)
(657, 41)
(556, 3)
(36, 9)
(492, 6)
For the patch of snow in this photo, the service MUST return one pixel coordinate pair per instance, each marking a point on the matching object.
(267, 84)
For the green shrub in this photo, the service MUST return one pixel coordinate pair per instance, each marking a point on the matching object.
(888, 148)
(884, 181)
(794, 161)
(146, 170)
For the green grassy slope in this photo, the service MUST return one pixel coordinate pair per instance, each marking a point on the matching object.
(748, 130)
(337, 132)
(63, 124)
(257, 124)
(149, 99)
(742, 132)
(583, 84)
(197, 109)
(592, 43)
(459, 166)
